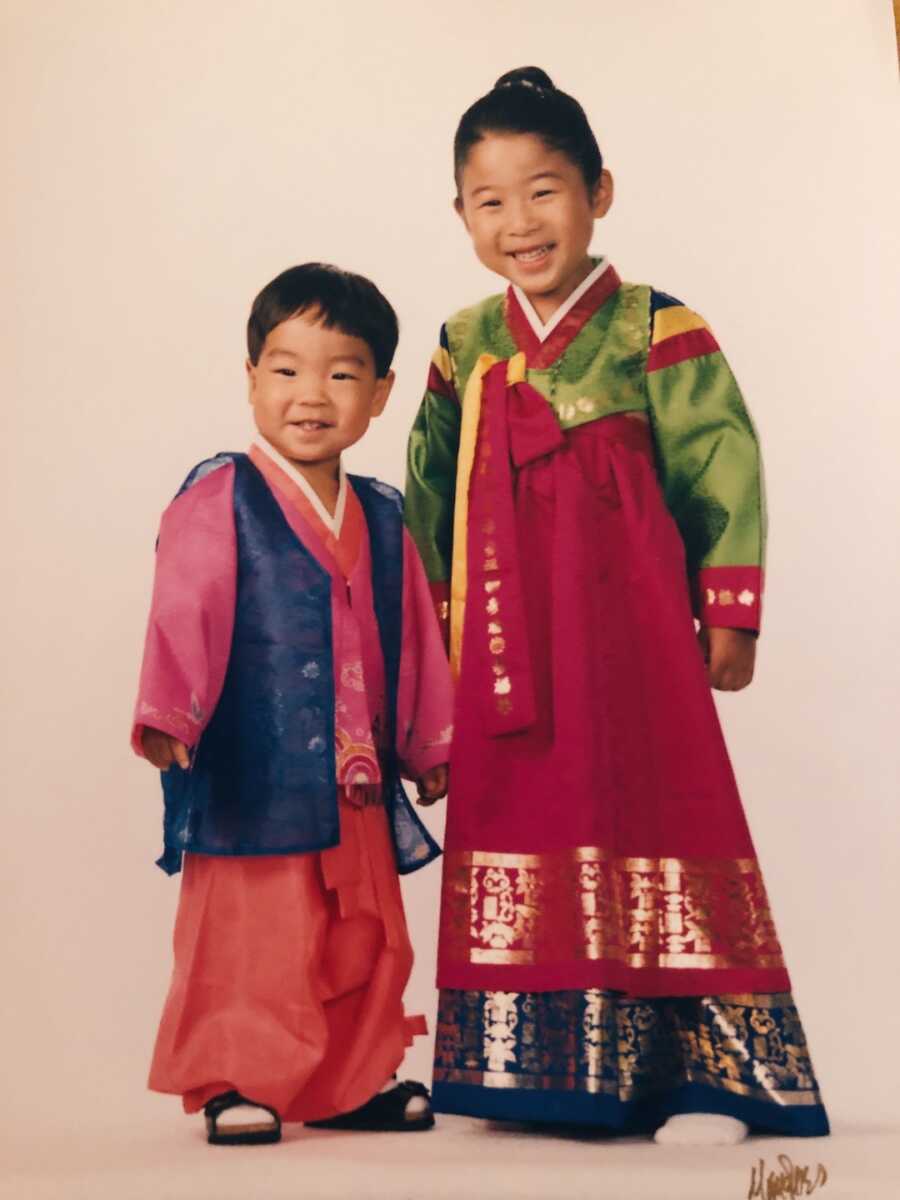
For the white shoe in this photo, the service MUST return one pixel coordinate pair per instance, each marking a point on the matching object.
(701, 1129)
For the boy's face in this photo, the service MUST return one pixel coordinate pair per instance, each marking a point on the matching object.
(314, 390)
(530, 215)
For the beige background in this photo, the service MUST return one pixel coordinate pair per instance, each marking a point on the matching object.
(162, 160)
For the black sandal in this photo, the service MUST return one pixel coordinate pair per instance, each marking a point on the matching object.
(253, 1133)
(385, 1112)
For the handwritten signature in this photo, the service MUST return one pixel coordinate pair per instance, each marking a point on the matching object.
(785, 1180)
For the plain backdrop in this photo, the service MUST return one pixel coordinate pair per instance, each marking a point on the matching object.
(162, 160)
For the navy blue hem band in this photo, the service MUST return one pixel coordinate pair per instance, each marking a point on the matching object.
(631, 1116)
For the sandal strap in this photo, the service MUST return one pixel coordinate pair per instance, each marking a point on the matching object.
(225, 1100)
(385, 1111)
(221, 1103)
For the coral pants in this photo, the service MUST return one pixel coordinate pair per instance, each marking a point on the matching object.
(289, 977)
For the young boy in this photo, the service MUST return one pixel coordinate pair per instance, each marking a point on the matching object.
(293, 670)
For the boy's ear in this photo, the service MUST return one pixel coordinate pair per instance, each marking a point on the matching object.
(382, 392)
(460, 212)
(602, 198)
(251, 379)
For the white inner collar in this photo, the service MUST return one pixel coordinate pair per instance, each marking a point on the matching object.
(542, 331)
(332, 523)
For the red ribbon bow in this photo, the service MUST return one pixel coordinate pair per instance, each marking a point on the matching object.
(517, 426)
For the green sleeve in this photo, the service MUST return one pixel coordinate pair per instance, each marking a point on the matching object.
(710, 469)
(431, 469)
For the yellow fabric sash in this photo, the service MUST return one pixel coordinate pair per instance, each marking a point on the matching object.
(468, 443)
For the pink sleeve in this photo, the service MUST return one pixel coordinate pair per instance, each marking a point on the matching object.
(192, 612)
(425, 689)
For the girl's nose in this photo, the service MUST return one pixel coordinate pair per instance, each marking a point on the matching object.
(522, 220)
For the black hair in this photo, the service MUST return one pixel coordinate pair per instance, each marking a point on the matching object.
(344, 301)
(526, 101)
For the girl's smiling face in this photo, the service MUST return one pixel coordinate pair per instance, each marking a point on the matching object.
(530, 215)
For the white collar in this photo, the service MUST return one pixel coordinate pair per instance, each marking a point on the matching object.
(332, 523)
(542, 331)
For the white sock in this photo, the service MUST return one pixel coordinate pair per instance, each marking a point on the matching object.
(415, 1106)
(242, 1115)
(701, 1129)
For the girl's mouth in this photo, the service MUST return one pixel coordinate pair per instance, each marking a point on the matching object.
(309, 426)
(534, 255)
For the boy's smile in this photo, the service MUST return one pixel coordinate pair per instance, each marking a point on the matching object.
(530, 216)
(314, 391)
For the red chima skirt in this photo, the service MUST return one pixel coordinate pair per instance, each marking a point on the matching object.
(595, 836)
(607, 955)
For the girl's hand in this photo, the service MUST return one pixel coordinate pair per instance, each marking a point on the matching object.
(729, 655)
(161, 749)
(433, 785)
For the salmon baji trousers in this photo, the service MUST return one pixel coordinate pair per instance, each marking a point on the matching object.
(289, 977)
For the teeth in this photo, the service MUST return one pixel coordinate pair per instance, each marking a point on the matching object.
(532, 255)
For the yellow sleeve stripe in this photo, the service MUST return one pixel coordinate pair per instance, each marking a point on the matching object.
(668, 322)
(468, 442)
(441, 360)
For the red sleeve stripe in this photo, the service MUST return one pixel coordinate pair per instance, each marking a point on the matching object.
(693, 344)
(730, 597)
(437, 383)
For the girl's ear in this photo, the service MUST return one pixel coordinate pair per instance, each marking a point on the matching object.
(460, 212)
(602, 198)
(251, 379)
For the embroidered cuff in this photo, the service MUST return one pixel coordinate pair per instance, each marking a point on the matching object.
(418, 760)
(729, 597)
(174, 722)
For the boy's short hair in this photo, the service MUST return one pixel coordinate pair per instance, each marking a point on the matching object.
(345, 301)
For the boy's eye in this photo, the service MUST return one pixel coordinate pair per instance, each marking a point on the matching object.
(342, 375)
(543, 192)
(289, 371)
(489, 204)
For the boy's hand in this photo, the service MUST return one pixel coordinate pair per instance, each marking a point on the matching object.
(161, 749)
(729, 655)
(433, 785)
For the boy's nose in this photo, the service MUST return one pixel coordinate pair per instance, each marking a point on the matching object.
(306, 408)
(310, 394)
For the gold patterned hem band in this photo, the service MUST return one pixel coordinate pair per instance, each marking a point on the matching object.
(667, 962)
(583, 904)
(601, 1043)
(601, 1087)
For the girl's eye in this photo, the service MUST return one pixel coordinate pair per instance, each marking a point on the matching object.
(342, 375)
(289, 371)
(543, 192)
(489, 204)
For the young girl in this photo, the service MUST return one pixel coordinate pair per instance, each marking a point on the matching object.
(584, 481)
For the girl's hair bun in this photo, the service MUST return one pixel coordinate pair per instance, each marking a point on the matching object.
(526, 101)
(532, 77)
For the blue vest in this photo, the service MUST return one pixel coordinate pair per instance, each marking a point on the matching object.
(263, 778)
